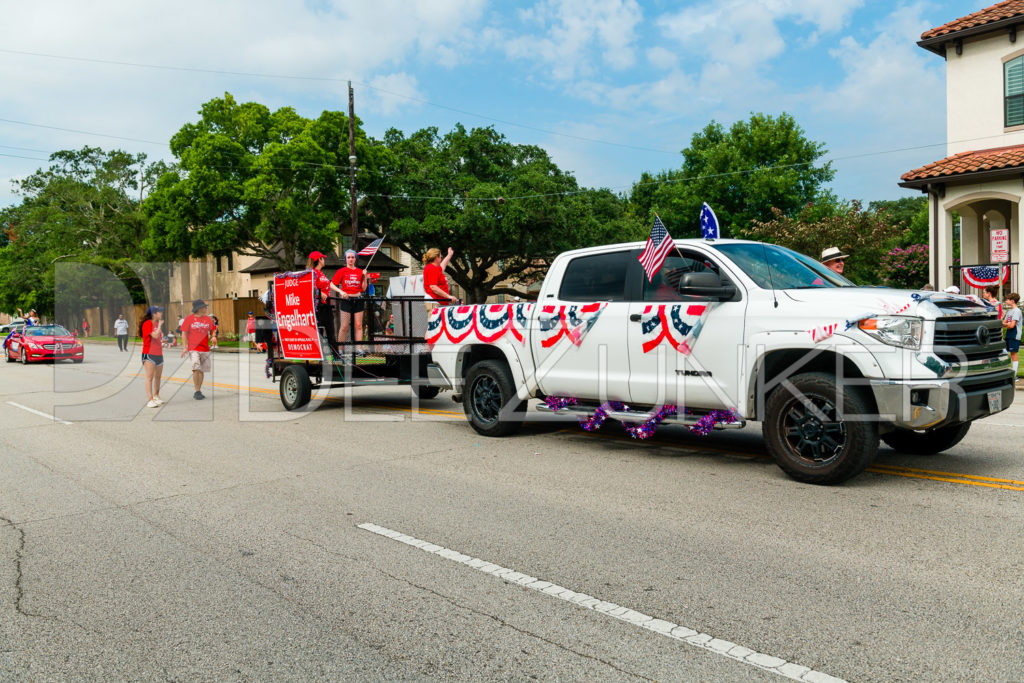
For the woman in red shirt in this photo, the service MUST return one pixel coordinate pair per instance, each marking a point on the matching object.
(353, 283)
(435, 284)
(152, 353)
(324, 314)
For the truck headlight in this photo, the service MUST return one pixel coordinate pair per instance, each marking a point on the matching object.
(894, 330)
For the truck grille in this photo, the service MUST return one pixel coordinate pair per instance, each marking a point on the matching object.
(958, 339)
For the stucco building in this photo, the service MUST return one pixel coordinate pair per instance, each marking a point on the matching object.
(981, 179)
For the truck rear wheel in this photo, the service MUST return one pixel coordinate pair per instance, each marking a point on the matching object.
(295, 388)
(490, 399)
(927, 442)
(807, 433)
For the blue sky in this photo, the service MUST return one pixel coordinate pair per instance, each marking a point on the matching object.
(611, 88)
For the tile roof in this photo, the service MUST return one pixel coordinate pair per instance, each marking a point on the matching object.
(994, 159)
(1003, 10)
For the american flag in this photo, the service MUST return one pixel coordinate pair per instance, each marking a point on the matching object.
(371, 248)
(658, 246)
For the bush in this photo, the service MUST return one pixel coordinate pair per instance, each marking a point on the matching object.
(906, 268)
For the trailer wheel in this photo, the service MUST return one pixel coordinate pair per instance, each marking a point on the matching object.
(295, 387)
(808, 435)
(490, 400)
(425, 391)
(926, 443)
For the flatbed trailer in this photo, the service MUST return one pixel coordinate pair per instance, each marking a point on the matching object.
(383, 358)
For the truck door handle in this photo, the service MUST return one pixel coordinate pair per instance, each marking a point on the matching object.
(635, 317)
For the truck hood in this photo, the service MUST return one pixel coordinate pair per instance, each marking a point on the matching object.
(859, 302)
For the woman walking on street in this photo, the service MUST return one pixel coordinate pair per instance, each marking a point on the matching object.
(152, 353)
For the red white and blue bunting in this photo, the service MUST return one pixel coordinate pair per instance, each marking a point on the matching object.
(485, 322)
(983, 276)
(677, 325)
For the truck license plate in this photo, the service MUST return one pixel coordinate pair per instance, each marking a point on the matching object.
(995, 401)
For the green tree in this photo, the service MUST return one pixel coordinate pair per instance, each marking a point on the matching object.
(864, 235)
(85, 208)
(261, 183)
(505, 209)
(743, 173)
(910, 213)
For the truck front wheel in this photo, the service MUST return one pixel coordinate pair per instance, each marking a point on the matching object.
(926, 443)
(490, 400)
(808, 433)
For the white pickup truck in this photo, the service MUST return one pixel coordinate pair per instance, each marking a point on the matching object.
(827, 367)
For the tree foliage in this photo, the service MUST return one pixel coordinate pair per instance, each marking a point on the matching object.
(505, 209)
(864, 235)
(910, 213)
(260, 183)
(85, 208)
(745, 173)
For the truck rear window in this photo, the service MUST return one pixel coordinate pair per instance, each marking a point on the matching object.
(601, 277)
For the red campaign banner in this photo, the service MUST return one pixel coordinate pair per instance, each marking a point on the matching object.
(295, 311)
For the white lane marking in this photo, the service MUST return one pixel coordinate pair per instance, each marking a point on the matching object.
(689, 636)
(48, 416)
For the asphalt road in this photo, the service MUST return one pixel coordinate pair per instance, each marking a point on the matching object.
(228, 540)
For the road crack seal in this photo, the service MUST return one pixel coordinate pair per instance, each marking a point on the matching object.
(19, 589)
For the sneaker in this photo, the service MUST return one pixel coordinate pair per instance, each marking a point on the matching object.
(157, 400)
(198, 396)
(152, 404)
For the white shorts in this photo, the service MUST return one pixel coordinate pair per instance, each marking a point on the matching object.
(200, 361)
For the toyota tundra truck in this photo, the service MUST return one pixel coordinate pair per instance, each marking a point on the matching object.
(750, 330)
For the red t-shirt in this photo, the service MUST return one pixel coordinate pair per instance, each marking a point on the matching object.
(196, 331)
(433, 275)
(250, 326)
(154, 347)
(349, 279)
(321, 282)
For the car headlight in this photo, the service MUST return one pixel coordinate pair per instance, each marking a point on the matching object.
(894, 330)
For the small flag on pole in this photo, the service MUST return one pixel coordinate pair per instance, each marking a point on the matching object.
(371, 248)
(708, 223)
(658, 246)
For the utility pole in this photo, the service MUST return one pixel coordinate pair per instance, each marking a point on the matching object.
(352, 163)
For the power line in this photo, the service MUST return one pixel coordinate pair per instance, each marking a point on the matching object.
(82, 132)
(330, 79)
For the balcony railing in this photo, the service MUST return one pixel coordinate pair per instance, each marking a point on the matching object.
(1012, 284)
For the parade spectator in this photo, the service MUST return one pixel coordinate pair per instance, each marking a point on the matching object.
(121, 332)
(324, 314)
(85, 328)
(435, 284)
(1012, 322)
(353, 283)
(250, 332)
(152, 353)
(215, 337)
(991, 296)
(834, 259)
(196, 330)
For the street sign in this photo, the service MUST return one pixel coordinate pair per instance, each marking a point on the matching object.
(999, 246)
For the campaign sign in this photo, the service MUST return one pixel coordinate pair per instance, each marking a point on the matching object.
(295, 311)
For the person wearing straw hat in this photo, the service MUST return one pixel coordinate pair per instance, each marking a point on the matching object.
(834, 259)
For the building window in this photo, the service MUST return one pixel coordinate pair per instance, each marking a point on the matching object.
(231, 261)
(386, 251)
(1013, 85)
(218, 264)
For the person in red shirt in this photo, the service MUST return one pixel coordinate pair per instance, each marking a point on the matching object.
(324, 312)
(195, 332)
(250, 332)
(352, 281)
(152, 353)
(435, 284)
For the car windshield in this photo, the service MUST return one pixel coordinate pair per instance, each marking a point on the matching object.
(773, 267)
(46, 331)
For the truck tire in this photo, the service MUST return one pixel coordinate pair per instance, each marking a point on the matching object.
(927, 442)
(295, 387)
(426, 392)
(490, 399)
(818, 446)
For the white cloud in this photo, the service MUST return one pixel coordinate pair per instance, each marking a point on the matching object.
(392, 92)
(577, 31)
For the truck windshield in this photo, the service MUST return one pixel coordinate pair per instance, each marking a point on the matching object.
(773, 267)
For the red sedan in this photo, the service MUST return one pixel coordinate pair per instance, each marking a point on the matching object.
(43, 342)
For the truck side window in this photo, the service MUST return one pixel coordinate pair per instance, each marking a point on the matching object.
(665, 286)
(601, 277)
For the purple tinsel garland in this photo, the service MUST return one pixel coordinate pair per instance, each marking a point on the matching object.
(266, 368)
(646, 429)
